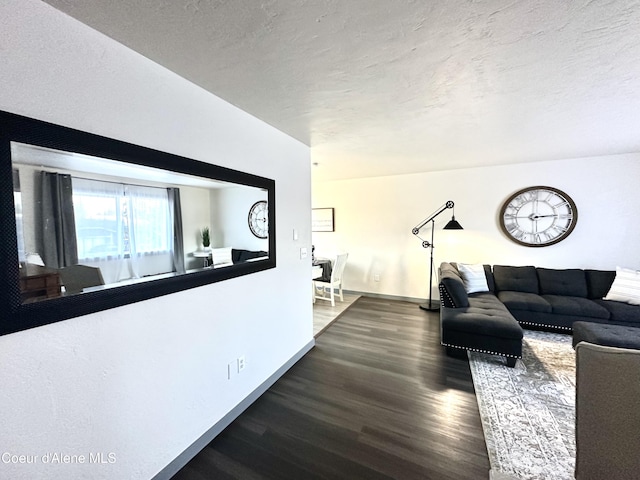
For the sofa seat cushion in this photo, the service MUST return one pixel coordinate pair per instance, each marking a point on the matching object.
(487, 300)
(620, 312)
(576, 306)
(605, 334)
(524, 301)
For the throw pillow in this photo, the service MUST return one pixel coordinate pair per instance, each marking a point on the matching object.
(473, 277)
(221, 256)
(625, 287)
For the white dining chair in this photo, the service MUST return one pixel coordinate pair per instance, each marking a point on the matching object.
(322, 288)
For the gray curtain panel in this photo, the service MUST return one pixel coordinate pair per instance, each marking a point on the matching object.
(178, 237)
(58, 229)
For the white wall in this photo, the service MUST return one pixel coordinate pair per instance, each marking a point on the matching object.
(145, 380)
(233, 206)
(374, 218)
(194, 218)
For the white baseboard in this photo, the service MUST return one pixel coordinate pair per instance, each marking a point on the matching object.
(181, 460)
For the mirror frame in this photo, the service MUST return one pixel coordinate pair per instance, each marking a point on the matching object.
(16, 316)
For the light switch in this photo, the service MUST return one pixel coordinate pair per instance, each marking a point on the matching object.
(295, 234)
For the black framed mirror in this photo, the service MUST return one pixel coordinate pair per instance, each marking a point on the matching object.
(90, 223)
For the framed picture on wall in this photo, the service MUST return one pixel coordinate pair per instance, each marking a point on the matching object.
(322, 220)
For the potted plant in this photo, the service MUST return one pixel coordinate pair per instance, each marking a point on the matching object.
(206, 238)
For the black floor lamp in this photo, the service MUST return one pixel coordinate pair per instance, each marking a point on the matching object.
(451, 225)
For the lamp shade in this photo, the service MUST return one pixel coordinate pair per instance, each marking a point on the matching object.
(453, 224)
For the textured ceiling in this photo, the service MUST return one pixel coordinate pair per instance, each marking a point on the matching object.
(382, 87)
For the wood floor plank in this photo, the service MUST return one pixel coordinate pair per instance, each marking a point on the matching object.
(324, 314)
(375, 399)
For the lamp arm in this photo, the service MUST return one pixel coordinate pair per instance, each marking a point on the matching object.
(416, 230)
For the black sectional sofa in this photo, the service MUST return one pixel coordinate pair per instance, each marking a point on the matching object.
(491, 321)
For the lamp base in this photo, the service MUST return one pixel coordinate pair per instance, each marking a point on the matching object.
(431, 306)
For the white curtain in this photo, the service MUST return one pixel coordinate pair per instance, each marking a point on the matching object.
(125, 230)
(150, 230)
(100, 232)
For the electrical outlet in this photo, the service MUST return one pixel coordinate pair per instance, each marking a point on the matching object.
(241, 363)
(376, 277)
(303, 253)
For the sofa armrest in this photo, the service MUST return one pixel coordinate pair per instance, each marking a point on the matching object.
(451, 287)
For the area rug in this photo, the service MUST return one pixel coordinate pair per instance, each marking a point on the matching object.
(528, 412)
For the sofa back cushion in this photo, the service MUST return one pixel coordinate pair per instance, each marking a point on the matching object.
(599, 282)
(240, 255)
(569, 283)
(515, 279)
(451, 287)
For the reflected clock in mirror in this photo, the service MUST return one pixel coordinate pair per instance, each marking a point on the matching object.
(259, 219)
(99, 223)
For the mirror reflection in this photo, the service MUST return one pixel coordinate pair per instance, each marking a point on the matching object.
(86, 223)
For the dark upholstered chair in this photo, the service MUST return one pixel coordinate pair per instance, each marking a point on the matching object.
(75, 278)
(607, 412)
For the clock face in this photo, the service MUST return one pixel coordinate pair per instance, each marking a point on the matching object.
(538, 216)
(259, 219)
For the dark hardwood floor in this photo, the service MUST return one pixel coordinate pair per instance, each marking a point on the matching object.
(375, 399)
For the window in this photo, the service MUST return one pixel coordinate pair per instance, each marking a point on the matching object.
(115, 220)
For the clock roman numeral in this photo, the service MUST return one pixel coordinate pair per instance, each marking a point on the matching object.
(511, 226)
(517, 233)
(558, 230)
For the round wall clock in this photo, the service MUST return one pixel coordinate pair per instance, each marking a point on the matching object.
(538, 216)
(259, 219)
